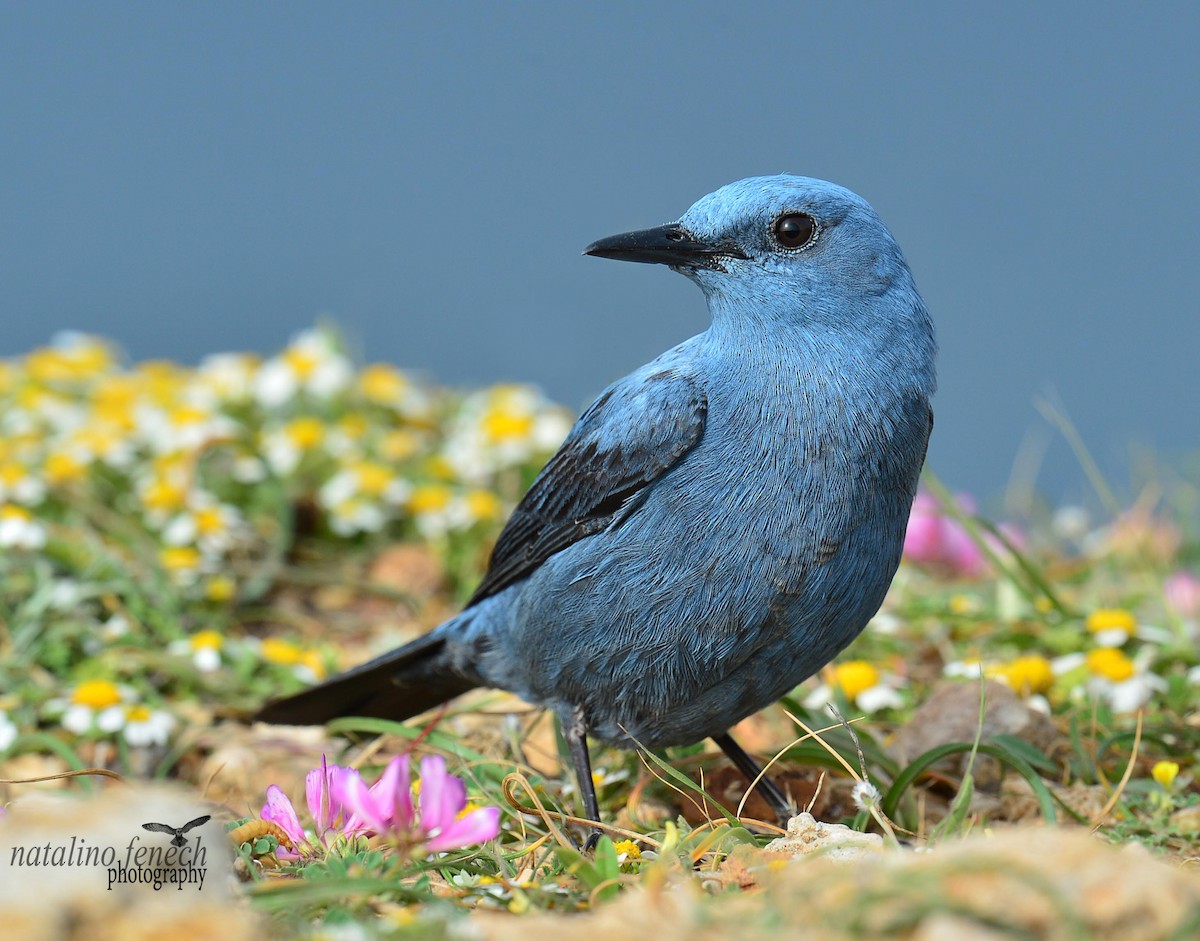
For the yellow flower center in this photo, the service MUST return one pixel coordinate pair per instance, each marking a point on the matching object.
(209, 520)
(207, 640)
(137, 713)
(399, 444)
(1111, 619)
(441, 468)
(220, 588)
(186, 415)
(854, 677)
(373, 479)
(278, 650)
(61, 468)
(1110, 663)
(98, 694)
(429, 499)
(164, 495)
(629, 848)
(180, 558)
(12, 473)
(354, 426)
(382, 383)
(302, 362)
(13, 512)
(483, 505)
(114, 401)
(305, 433)
(312, 660)
(1028, 675)
(500, 425)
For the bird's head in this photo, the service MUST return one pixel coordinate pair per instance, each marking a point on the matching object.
(779, 242)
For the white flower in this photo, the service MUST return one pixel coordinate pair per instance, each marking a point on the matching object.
(8, 732)
(309, 364)
(212, 526)
(145, 727)
(19, 530)
(19, 485)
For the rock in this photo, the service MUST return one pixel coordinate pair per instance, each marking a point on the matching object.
(951, 714)
(806, 835)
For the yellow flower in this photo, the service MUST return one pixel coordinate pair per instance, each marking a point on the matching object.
(161, 381)
(373, 479)
(79, 357)
(441, 468)
(219, 588)
(278, 650)
(10, 511)
(629, 848)
(114, 401)
(305, 433)
(502, 425)
(210, 640)
(383, 383)
(312, 660)
(962, 604)
(1110, 663)
(429, 499)
(1164, 773)
(302, 360)
(96, 694)
(180, 558)
(483, 505)
(62, 468)
(1111, 619)
(854, 677)
(399, 444)
(137, 713)
(209, 520)
(354, 426)
(1028, 675)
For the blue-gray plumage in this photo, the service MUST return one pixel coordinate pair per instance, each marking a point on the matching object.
(720, 523)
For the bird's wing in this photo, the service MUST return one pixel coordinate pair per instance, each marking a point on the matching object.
(632, 435)
(159, 828)
(195, 823)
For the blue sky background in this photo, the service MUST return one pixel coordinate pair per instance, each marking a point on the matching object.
(191, 178)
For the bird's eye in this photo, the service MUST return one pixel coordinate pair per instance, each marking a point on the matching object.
(794, 230)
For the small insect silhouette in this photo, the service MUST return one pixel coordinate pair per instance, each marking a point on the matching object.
(178, 839)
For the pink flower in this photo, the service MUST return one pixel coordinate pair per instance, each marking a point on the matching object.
(940, 541)
(279, 809)
(443, 802)
(323, 789)
(1182, 590)
(384, 807)
(341, 803)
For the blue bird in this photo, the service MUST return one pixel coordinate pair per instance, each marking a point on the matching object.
(720, 523)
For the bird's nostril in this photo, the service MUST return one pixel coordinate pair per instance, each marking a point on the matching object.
(674, 235)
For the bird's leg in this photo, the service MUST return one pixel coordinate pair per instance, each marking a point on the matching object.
(750, 768)
(575, 732)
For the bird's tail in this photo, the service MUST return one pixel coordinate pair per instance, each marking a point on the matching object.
(402, 683)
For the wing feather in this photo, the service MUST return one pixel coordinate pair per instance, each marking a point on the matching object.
(631, 436)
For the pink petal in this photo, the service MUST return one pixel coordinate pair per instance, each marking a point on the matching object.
(392, 793)
(279, 809)
(324, 798)
(442, 795)
(923, 538)
(1182, 590)
(478, 826)
(365, 814)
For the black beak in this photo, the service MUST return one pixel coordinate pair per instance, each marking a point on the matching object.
(664, 245)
